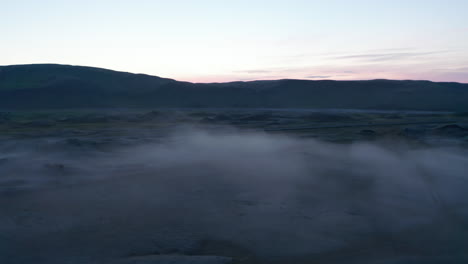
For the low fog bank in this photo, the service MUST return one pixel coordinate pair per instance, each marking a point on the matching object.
(255, 197)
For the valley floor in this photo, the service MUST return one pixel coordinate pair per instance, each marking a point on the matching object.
(233, 186)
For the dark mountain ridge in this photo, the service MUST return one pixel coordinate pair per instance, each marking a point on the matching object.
(53, 86)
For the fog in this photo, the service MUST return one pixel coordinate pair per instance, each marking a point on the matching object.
(254, 196)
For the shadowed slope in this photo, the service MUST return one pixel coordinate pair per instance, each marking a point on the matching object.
(64, 86)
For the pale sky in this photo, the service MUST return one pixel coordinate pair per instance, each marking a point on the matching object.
(208, 40)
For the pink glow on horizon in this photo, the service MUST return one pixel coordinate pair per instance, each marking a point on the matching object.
(435, 76)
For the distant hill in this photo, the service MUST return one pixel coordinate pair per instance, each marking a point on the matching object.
(52, 86)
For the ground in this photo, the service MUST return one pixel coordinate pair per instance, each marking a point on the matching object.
(233, 186)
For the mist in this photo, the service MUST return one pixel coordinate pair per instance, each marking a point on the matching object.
(253, 196)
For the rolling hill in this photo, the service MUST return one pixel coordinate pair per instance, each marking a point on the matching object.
(53, 86)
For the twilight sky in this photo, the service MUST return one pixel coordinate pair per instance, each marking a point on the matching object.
(215, 40)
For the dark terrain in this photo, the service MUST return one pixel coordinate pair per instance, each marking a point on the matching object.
(98, 166)
(49, 86)
(233, 186)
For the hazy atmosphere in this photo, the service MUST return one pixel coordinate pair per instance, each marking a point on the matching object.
(233, 132)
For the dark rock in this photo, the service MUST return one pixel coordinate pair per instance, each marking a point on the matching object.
(222, 117)
(462, 114)
(76, 142)
(412, 133)
(59, 167)
(5, 117)
(368, 132)
(173, 259)
(4, 160)
(12, 183)
(150, 116)
(39, 123)
(452, 130)
(85, 119)
(258, 117)
(453, 127)
(208, 120)
(393, 116)
(224, 248)
(327, 117)
(217, 118)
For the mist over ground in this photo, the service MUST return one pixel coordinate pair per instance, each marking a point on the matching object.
(199, 195)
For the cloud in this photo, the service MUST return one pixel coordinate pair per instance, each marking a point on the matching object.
(398, 63)
(386, 56)
(319, 76)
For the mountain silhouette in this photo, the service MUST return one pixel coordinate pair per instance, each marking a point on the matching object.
(53, 86)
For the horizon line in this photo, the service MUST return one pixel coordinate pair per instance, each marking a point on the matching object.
(234, 81)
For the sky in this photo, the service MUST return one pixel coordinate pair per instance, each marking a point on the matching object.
(242, 40)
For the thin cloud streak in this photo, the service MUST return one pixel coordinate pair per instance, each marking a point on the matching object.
(398, 63)
(388, 56)
(319, 76)
(399, 71)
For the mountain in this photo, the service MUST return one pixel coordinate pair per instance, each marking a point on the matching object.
(53, 86)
